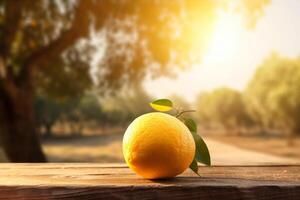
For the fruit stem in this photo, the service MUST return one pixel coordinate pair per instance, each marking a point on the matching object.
(185, 111)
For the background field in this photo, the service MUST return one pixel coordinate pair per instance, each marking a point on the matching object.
(74, 74)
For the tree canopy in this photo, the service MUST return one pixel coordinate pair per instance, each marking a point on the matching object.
(273, 94)
(54, 36)
(223, 107)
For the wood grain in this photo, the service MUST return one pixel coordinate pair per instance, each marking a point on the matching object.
(116, 181)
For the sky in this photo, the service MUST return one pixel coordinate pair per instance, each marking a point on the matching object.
(235, 52)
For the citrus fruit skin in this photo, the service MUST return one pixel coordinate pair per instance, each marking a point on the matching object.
(157, 145)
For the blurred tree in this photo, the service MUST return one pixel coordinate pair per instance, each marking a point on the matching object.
(139, 37)
(224, 107)
(71, 114)
(273, 95)
(75, 112)
(82, 111)
(48, 112)
(128, 104)
(203, 107)
(90, 107)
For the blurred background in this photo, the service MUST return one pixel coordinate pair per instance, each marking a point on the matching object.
(74, 74)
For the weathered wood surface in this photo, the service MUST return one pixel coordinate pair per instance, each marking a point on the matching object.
(98, 181)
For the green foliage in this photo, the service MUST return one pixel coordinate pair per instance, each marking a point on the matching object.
(55, 38)
(273, 96)
(76, 112)
(65, 79)
(202, 153)
(223, 107)
(47, 112)
(191, 124)
(271, 101)
(125, 105)
(90, 107)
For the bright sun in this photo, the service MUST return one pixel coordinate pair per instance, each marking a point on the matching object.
(225, 38)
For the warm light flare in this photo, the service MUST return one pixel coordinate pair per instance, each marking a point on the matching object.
(225, 38)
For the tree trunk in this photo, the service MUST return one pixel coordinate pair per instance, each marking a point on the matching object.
(48, 130)
(18, 129)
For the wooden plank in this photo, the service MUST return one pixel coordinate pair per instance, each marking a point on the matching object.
(116, 181)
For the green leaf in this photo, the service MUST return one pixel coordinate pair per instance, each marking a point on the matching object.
(202, 153)
(191, 124)
(194, 167)
(162, 105)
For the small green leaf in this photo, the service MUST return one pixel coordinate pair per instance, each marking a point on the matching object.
(191, 124)
(202, 153)
(194, 167)
(162, 105)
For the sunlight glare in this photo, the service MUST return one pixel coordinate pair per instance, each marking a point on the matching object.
(225, 38)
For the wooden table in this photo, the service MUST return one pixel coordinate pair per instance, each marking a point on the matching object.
(115, 181)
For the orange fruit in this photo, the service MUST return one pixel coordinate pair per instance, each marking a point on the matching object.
(157, 145)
